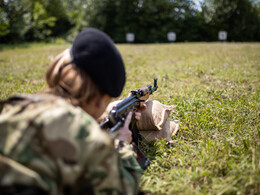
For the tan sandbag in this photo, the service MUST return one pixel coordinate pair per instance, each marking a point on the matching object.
(170, 129)
(155, 115)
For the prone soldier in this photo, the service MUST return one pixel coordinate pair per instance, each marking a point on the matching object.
(50, 142)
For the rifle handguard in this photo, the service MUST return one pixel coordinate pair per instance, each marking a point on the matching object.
(119, 112)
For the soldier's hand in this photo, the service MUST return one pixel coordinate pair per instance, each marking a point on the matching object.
(142, 108)
(124, 133)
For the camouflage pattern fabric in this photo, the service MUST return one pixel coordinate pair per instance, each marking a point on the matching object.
(48, 144)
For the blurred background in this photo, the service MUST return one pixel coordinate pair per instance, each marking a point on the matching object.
(138, 21)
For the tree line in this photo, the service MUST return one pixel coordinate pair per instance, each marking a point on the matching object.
(149, 20)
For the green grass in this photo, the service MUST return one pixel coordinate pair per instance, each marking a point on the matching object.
(23, 67)
(216, 88)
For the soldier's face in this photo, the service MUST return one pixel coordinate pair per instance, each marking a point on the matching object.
(105, 100)
(97, 106)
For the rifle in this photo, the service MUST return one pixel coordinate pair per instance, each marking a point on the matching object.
(120, 111)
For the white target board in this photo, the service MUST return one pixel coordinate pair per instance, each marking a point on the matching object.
(130, 37)
(171, 36)
(222, 35)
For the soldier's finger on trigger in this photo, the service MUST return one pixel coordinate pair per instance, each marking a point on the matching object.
(128, 119)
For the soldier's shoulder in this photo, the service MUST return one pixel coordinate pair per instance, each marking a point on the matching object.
(49, 112)
(41, 133)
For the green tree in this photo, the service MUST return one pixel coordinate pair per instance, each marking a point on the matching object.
(78, 16)
(240, 18)
(25, 20)
(40, 22)
(14, 19)
(60, 10)
(4, 23)
(149, 20)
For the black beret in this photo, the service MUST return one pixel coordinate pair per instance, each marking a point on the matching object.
(95, 53)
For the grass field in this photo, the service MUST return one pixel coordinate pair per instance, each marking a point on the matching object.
(216, 88)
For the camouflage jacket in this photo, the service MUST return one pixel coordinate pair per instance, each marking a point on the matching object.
(53, 146)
